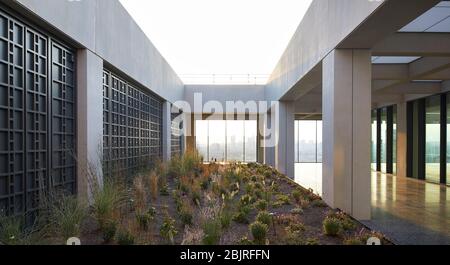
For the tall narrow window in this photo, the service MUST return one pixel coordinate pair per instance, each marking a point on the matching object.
(307, 141)
(227, 141)
(383, 149)
(235, 140)
(296, 141)
(217, 140)
(448, 141)
(374, 140)
(201, 135)
(394, 140)
(432, 138)
(250, 141)
(319, 141)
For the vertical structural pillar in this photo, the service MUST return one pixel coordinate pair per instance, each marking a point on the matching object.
(284, 132)
(89, 121)
(189, 132)
(259, 138)
(401, 139)
(346, 133)
(269, 146)
(167, 131)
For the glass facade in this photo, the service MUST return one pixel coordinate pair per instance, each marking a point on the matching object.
(374, 140)
(394, 140)
(448, 140)
(432, 138)
(227, 141)
(428, 136)
(308, 141)
(384, 140)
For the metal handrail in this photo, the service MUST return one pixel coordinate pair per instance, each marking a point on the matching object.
(249, 79)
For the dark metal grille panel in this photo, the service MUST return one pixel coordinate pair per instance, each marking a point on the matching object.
(63, 119)
(176, 136)
(12, 131)
(36, 120)
(131, 128)
(29, 104)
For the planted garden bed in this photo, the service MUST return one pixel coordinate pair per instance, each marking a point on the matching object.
(188, 202)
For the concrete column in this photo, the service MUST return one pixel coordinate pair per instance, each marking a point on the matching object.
(89, 121)
(189, 132)
(347, 132)
(269, 150)
(401, 139)
(284, 132)
(259, 138)
(167, 131)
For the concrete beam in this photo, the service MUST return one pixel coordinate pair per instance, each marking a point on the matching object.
(414, 44)
(413, 88)
(309, 82)
(427, 66)
(381, 100)
(391, 16)
(390, 71)
(421, 69)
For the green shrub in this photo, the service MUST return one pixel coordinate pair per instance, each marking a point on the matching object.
(226, 217)
(297, 195)
(261, 205)
(296, 227)
(264, 217)
(11, 231)
(107, 201)
(332, 226)
(354, 241)
(282, 199)
(66, 215)
(259, 186)
(186, 214)
(249, 188)
(168, 230)
(144, 219)
(109, 230)
(204, 185)
(196, 197)
(312, 242)
(212, 232)
(246, 200)
(297, 211)
(259, 232)
(241, 217)
(164, 190)
(319, 204)
(244, 241)
(234, 187)
(125, 238)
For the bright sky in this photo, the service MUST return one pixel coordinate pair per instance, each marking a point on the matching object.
(219, 36)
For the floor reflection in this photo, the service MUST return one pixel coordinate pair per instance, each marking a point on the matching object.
(408, 211)
(309, 175)
(414, 211)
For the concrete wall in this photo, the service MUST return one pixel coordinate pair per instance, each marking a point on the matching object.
(105, 28)
(324, 26)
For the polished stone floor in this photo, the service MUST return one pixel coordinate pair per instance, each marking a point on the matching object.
(406, 210)
(410, 211)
